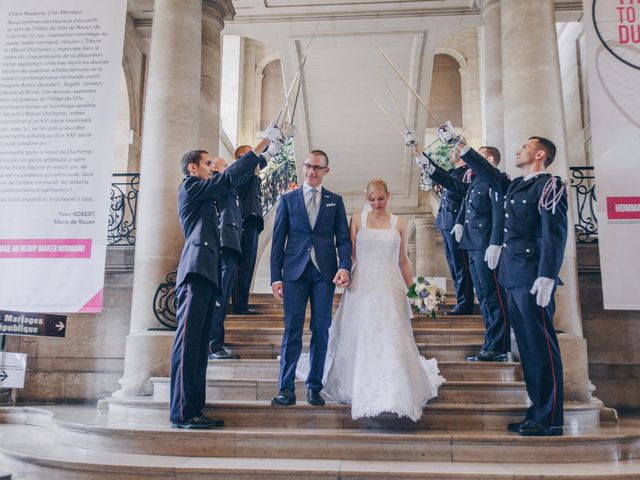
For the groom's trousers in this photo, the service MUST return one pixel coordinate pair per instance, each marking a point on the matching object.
(309, 287)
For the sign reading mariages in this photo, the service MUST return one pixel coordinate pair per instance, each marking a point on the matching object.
(32, 324)
(613, 57)
(60, 68)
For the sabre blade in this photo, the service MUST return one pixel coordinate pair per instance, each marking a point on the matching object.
(397, 105)
(386, 114)
(415, 94)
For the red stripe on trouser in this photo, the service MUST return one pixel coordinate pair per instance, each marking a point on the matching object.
(553, 372)
(504, 313)
(184, 334)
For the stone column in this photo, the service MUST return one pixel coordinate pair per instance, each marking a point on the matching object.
(492, 56)
(425, 248)
(532, 93)
(170, 129)
(213, 14)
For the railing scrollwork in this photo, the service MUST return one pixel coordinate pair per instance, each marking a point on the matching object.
(583, 183)
(123, 204)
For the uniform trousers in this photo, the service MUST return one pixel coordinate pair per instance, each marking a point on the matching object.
(539, 355)
(246, 266)
(229, 264)
(459, 269)
(196, 298)
(493, 303)
(309, 287)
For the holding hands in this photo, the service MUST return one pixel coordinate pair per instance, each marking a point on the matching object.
(342, 278)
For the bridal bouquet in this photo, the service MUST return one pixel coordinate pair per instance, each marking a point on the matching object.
(426, 297)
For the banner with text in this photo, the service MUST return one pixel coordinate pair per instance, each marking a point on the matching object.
(60, 69)
(613, 57)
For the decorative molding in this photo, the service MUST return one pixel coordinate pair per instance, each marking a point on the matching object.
(462, 62)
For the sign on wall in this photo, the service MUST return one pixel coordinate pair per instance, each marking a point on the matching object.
(60, 67)
(613, 57)
(12, 369)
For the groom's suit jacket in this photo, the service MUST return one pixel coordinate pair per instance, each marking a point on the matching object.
(293, 237)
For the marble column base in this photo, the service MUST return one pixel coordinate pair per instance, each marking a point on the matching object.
(147, 355)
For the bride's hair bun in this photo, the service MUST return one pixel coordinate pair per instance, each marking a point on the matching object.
(376, 184)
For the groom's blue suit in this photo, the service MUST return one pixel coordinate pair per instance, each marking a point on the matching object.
(293, 239)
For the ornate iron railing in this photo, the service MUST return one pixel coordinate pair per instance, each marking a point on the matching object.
(123, 205)
(583, 183)
(165, 302)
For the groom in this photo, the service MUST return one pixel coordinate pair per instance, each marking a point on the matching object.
(310, 224)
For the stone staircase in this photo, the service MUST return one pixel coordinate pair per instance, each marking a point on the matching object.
(462, 435)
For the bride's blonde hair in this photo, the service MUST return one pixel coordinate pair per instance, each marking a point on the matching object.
(374, 185)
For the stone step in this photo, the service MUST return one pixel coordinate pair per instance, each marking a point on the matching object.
(426, 335)
(276, 320)
(39, 460)
(437, 415)
(507, 393)
(83, 427)
(259, 369)
(441, 351)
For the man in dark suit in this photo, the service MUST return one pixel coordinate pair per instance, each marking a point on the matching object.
(310, 225)
(535, 234)
(478, 232)
(198, 279)
(252, 224)
(450, 205)
(230, 212)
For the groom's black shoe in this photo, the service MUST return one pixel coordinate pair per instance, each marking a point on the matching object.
(535, 429)
(314, 398)
(488, 356)
(284, 399)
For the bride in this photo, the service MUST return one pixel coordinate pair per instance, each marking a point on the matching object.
(372, 361)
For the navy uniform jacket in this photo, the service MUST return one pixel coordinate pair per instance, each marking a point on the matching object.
(481, 215)
(534, 237)
(251, 198)
(451, 200)
(293, 237)
(230, 221)
(199, 218)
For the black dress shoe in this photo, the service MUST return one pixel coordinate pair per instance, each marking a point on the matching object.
(199, 423)
(249, 311)
(284, 399)
(515, 427)
(491, 356)
(215, 422)
(457, 311)
(314, 398)
(222, 354)
(535, 429)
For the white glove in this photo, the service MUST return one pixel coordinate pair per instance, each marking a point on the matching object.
(274, 148)
(448, 135)
(456, 231)
(423, 162)
(492, 256)
(410, 139)
(543, 289)
(272, 133)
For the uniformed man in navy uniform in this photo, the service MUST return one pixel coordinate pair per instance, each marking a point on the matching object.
(478, 231)
(534, 238)
(252, 224)
(450, 205)
(230, 212)
(198, 279)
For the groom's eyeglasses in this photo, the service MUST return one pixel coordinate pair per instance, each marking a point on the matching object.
(315, 168)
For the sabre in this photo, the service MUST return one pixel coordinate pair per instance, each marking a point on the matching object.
(386, 114)
(415, 94)
(397, 105)
(297, 77)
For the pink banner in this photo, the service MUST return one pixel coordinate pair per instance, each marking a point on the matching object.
(42, 248)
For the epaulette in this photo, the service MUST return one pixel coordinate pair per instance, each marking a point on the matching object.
(552, 192)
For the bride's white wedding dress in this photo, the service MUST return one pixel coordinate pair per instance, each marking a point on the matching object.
(372, 361)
